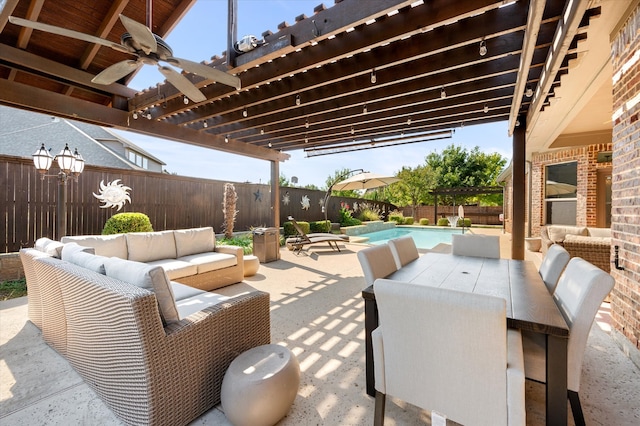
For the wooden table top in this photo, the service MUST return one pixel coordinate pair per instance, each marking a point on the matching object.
(529, 304)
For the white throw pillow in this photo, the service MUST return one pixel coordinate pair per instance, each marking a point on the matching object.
(194, 241)
(49, 246)
(89, 261)
(152, 278)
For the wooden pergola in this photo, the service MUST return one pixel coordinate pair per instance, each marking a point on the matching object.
(358, 72)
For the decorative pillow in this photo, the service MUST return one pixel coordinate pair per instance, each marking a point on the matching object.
(150, 246)
(49, 246)
(70, 248)
(104, 245)
(92, 262)
(194, 241)
(152, 278)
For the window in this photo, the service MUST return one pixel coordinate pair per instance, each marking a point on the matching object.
(138, 160)
(560, 193)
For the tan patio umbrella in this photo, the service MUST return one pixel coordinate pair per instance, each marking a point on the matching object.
(364, 180)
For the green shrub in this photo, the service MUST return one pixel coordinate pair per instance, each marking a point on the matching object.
(443, 221)
(369, 215)
(346, 219)
(290, 230)
(424, 221)
(397, 218)
(408, 221)
(245, 241)
(127, 222)
(320, 226)
(466, 222)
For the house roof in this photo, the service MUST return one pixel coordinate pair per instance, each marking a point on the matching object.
(311, 86)
(22, 133)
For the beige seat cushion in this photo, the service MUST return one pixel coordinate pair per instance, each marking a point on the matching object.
(150, 246)
(193, 241)
(599, 232)
(211, 261)
(183, 291)
(198, 302)
(175, 268)
(152, 278)
(104, 245)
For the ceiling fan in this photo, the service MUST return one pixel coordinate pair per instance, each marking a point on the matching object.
(150, 49)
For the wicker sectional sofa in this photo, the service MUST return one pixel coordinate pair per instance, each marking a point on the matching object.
(591, 244)
(189, 256)
(154, 350)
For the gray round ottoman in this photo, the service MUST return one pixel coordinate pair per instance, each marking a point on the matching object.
(260, 386)
(251, 265)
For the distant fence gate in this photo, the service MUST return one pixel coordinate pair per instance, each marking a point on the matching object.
(28, 204)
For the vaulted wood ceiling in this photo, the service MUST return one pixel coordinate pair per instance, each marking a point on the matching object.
(354, 74)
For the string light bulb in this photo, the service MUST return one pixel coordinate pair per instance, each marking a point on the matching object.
(409, 121)
(185, 100)
(373, 76)
(306, 123)
(486, 108)
(205, 125)
(483, 48)
(298, 100)
(364, 109)
(135, 115)
(443, 93)
(269, 144)
(245, 113)
(226, 139)
(529, 92)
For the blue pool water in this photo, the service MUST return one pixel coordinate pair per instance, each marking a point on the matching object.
(424, 238)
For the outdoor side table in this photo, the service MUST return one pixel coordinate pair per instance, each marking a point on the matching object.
(260, 386)
(251, 265)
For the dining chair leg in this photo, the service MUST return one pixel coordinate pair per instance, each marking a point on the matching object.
(378, 416)
(576, 408)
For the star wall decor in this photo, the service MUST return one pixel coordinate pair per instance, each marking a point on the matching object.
(258, 195)
(286, 199)
(305, 203)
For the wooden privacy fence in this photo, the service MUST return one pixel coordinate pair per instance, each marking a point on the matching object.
(479, 215)
(29, 204)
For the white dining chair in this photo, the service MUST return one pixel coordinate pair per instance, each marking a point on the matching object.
(581, 290)
(404, 250)
(552, 266)
(376, 262)
(465, 364)
(475, 245)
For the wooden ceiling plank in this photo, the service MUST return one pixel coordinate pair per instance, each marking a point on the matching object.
(60, 72)
(105, 27)
(23, 96)
(35, 7)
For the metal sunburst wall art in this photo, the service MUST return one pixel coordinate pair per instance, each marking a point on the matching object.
(113, 194)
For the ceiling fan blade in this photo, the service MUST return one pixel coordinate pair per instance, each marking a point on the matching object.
(116, 71)
(67, 33)
(183, 84)
(141, 34)
(206, 72)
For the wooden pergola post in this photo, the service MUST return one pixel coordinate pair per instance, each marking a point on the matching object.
(518, 192)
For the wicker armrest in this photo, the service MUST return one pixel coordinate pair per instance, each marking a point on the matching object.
(596, 250)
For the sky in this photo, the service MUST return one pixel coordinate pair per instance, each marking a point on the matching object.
(201, 34)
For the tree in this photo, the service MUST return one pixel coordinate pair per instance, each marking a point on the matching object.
(456, 167)
(340, 175)
(413, 187)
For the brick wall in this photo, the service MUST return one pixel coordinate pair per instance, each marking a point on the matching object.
(625, 215)
(586, 157)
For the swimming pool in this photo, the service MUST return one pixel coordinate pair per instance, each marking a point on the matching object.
(425, 238)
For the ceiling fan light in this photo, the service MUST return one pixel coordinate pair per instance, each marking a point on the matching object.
(483, 48)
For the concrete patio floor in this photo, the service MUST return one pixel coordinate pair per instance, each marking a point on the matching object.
(317, 311)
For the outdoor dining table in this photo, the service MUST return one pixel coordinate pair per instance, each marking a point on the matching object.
(530, 307)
